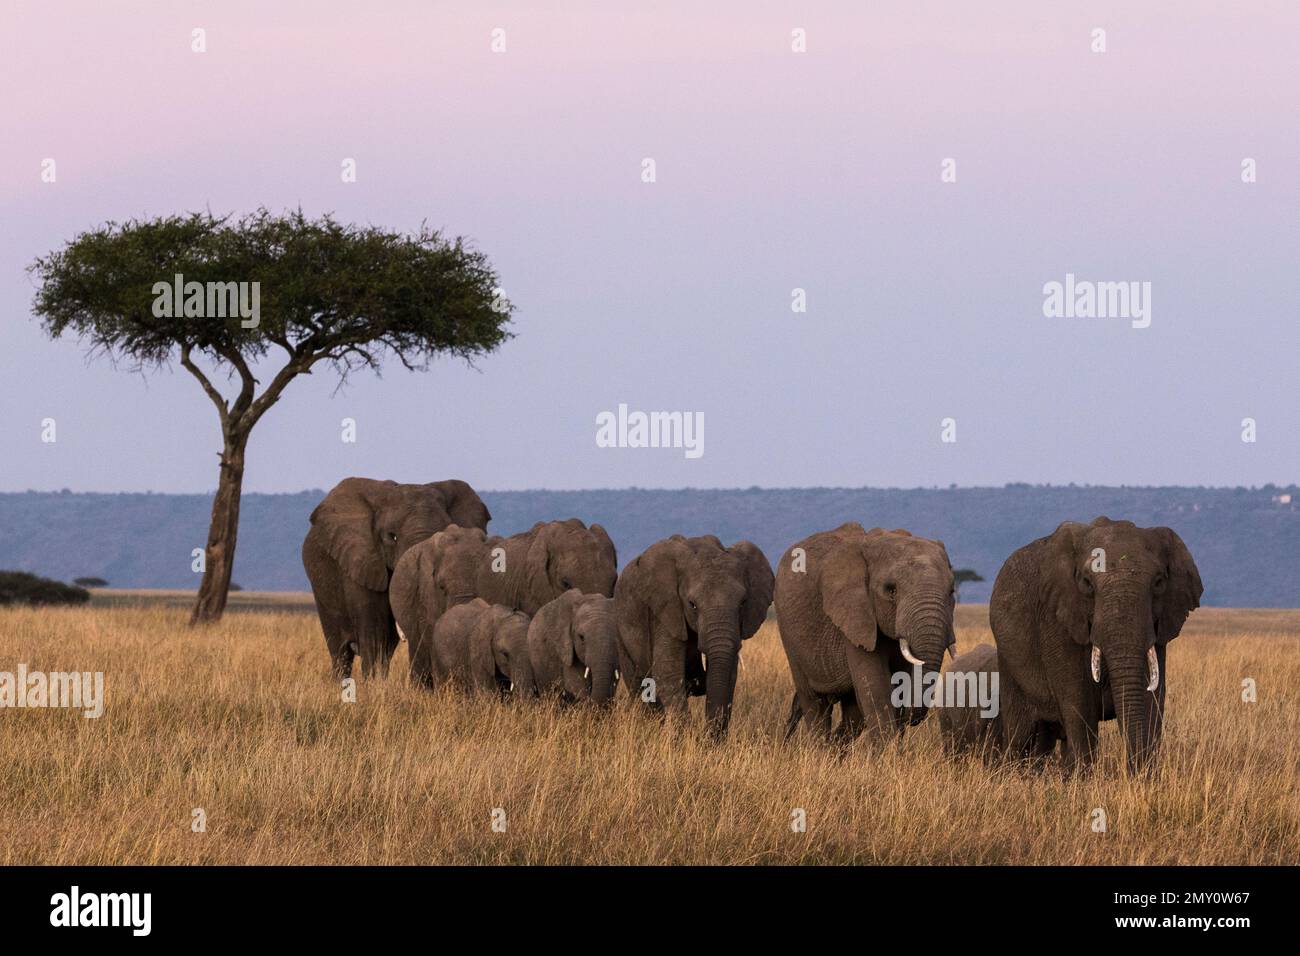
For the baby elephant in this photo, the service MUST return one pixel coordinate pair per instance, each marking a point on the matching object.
(483, 646)
(969, 725)
(573, 647)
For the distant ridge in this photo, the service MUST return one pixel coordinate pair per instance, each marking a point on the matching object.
(1245, 540)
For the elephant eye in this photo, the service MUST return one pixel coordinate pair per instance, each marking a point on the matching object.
(1158, 585)
(565, 582)
(391, 535)
(692, 605)
(891, 588)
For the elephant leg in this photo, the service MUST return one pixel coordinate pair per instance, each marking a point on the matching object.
(342, 656)
(808, 705)
(851, 721)
(1080, 747)
(420, 649)
(871, 688)
(667, 669)
(1018, 723)
(694, 668)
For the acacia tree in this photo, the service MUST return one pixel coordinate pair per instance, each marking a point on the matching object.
(324, 292)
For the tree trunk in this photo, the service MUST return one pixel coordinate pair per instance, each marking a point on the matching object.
(222, 533)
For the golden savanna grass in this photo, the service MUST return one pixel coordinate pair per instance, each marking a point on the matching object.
(243, 720)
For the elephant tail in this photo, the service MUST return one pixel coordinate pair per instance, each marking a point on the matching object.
(796, 714)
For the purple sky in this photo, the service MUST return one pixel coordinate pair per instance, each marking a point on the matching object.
(775, 170)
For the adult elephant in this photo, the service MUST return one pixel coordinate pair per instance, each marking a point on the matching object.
(683, 598)
(1082, 619)
(522, 572)
(358, 533)
(854, 608)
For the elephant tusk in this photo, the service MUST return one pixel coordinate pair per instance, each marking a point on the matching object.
(1096, 664)
(401, 635)
(1153, 667)
(617, 676)
(907, 652)
(952, 650)
(586, 673)
(355, 647)
(512, 685)
(741, 659)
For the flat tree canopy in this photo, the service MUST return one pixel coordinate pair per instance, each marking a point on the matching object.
(324, 292)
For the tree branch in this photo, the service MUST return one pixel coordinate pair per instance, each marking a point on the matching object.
(208, 387)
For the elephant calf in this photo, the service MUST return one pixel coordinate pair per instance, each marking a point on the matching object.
(573, 647)
(965, 727)
(483, 646)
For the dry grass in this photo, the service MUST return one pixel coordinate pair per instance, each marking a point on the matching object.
(242, 720)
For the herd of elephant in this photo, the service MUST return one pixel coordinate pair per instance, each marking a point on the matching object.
(1081, 618)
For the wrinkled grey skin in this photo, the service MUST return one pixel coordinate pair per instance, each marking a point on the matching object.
(843, 620)
(1051, 605)
(481, 646)
(432, 577)
(358, 533)
(962, 729)
(573, 646)
(498, 652)
(522, 572)
(683, 598)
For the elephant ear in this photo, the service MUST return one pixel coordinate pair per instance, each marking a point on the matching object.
(482, 655)
(1183, 588)
(406, 592)
(560, 634)
(539, 563)
(1062, 598)
(844, 581)
(345, 522)
(606, 547)
(759, 582)
(462, 503)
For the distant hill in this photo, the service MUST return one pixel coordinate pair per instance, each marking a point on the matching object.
(1245, 540)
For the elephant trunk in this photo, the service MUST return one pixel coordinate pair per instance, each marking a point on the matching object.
(720, 639)
(1124, 634)
(602, 658)
(925, 623)
(924, 634)
(1128, 681)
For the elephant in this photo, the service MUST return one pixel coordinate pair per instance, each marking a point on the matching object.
(1082, 619)
(855, 608)
(358, 534)
(482, 646)
(964, 727)
(522, 572)
(683, 597)
(573, 647)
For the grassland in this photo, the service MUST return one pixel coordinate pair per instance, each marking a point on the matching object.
(242, 720)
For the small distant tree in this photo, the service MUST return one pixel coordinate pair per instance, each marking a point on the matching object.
(961, 576)
(342, 295)
(20, 587)
(90, 582)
